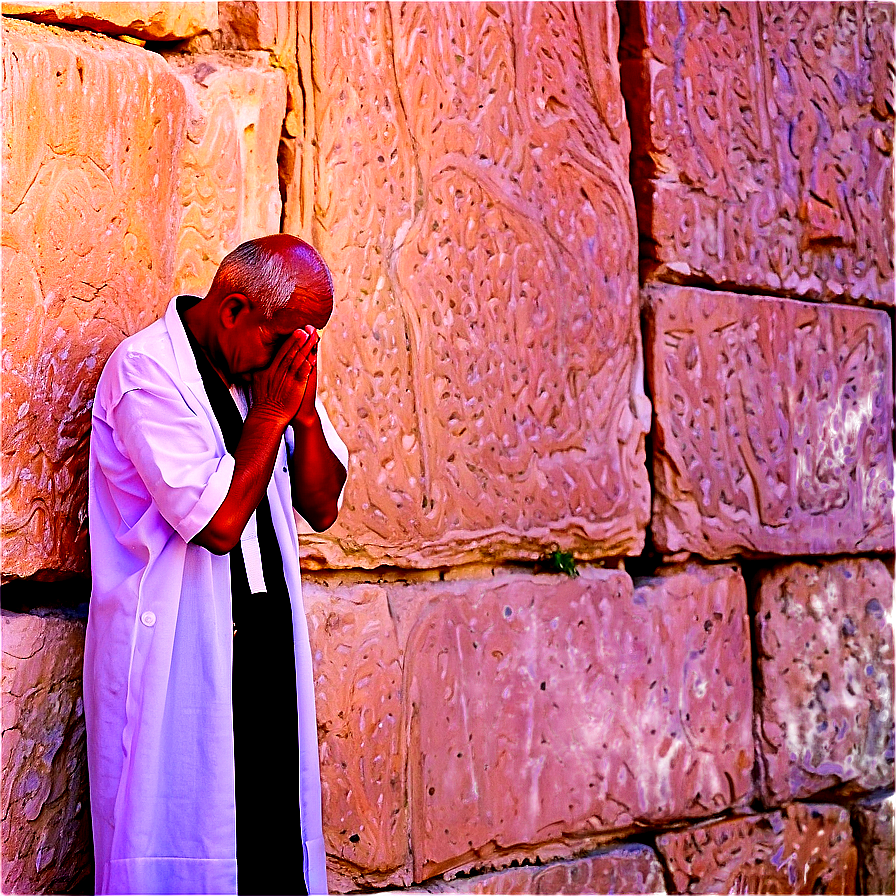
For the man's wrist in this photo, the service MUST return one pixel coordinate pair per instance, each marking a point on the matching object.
(304, 420)
(271, 414)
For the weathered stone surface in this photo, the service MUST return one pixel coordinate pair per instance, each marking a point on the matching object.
(773, 424)
(763, 140)
(273, 25)
(148, 21)
(358, 688)
(264, 25)
(45, 827)
(483, 362)
(875, 833)
(627, 869)
(229, 184)
(802, 849)
(92, 138)
(825, 659)
(544, 708)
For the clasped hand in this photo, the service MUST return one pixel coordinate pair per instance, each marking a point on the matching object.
(287, 387)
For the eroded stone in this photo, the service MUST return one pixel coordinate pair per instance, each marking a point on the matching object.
(92, 130)
(876, 835)
(358, 688)
(486, 381)
(229, 183)
(273, 25)
(794, 458)
(825, 656)
(45, 827)
(627, 869)
(149, 21)
(547, 707)
(802, 849)
(763, 140)
(264, 25)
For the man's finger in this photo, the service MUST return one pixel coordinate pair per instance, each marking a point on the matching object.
(303, 353)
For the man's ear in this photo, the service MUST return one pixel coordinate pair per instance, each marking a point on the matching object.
(232, 308)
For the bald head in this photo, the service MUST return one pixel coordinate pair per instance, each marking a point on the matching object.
(278, 272)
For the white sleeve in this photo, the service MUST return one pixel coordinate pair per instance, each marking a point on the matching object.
(175, 452)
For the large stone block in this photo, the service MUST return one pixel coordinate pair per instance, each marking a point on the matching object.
(773, 426)
(258, 25)
(273, 25)
(825, 695)
(876, 839)
(548, 709)
(483, 362)
(45, 827)
(92, 140)
(148, 21)
(229, 184)
(802, 849)
(763, 138)
(627, 869)
(358, 688)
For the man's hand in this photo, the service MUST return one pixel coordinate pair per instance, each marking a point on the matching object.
(317, 474)
(280, 392)
(287, 387)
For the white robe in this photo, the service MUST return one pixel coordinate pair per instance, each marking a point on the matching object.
(159, 648)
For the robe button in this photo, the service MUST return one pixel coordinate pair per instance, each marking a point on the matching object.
(148, 618)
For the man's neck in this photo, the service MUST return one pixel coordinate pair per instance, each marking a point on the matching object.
(198, 320)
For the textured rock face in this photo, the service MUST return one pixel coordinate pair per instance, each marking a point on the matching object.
(264, 25)
(149, 21)
(512, 716)
(274, 26)
(802, 849)
(629, 869)
(228, 175)
(92, 137)
(545, 707)
(773, 425)
(45, 828)
(825, 656)
(875, 834)
(485, 378)
(358, 687)
(764, 139)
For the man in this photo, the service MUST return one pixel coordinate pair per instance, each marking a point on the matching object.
(198, 693)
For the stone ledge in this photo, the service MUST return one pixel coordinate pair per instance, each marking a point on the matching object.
(148, 21)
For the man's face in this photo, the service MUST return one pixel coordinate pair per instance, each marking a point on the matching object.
(258, 339)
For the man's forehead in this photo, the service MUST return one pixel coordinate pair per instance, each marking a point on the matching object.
(288, 319)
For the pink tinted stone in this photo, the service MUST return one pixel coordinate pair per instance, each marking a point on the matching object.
(763, 137)
(486, 380)
(802, 849)
(45, 827)
(229, 183)
(825, 659)
(546, 707)
(358, 688)
(773, 424)
(160, 20)
(90, 177)
(627, 869)
(876, 835)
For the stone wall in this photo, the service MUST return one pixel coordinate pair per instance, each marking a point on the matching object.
(614, 286)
